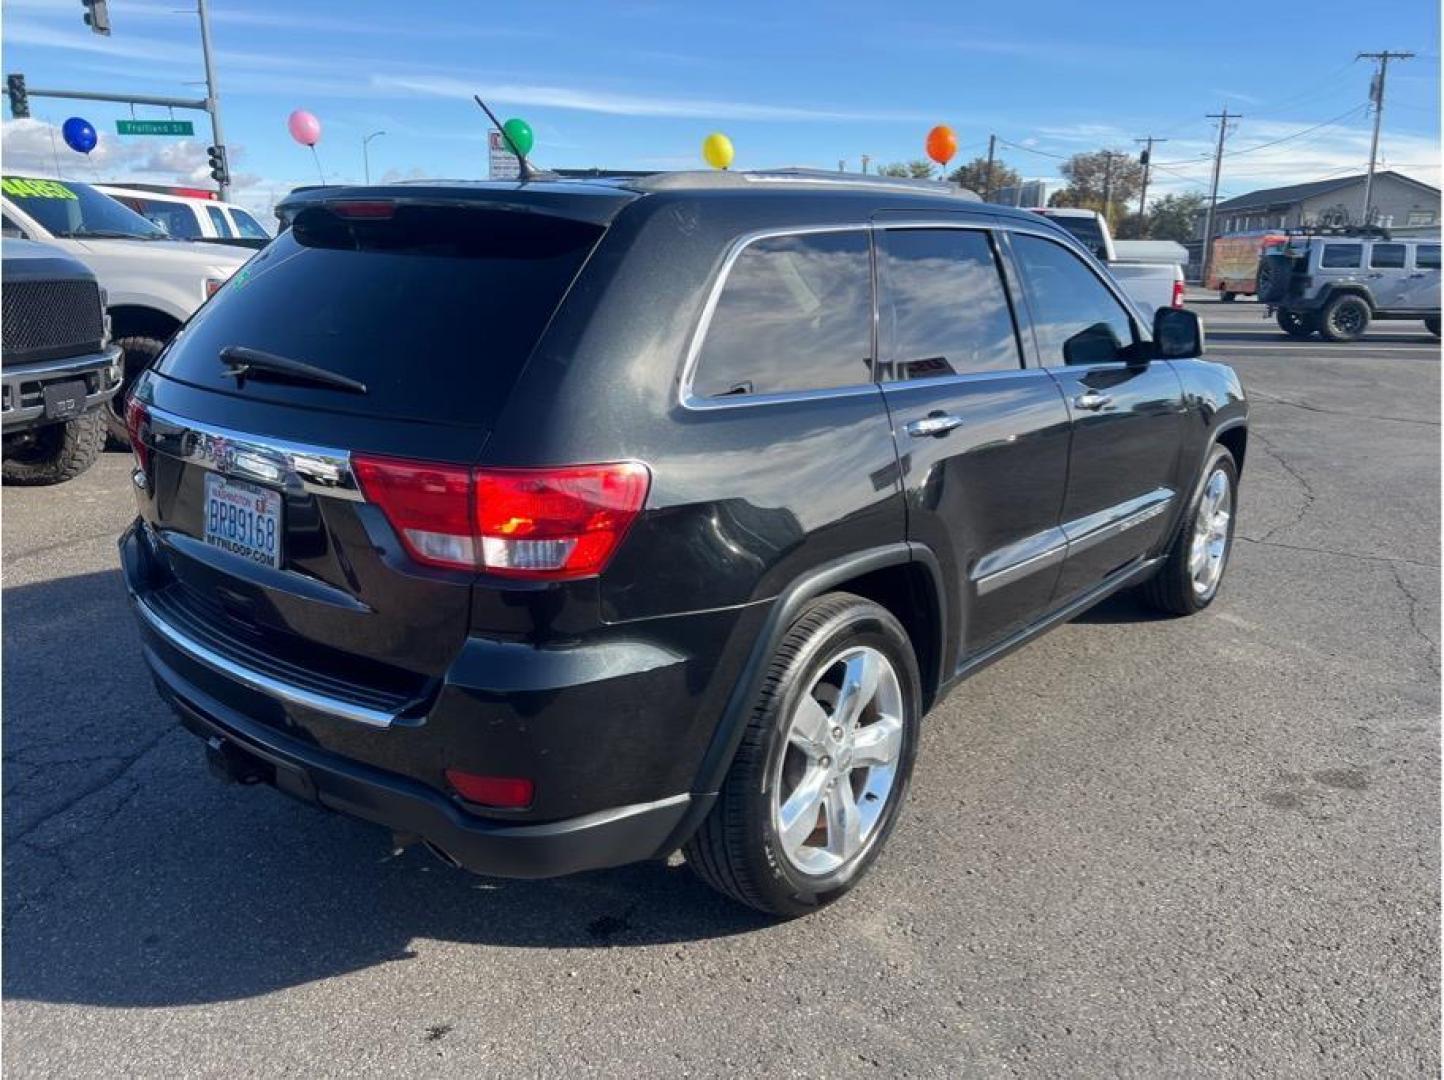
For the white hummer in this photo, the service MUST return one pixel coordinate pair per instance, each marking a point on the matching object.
(152, 283)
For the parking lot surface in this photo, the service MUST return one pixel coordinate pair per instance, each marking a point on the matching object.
(1137, 847)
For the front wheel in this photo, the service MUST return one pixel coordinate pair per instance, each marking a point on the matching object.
(1295, 324)
(824, 764)
(1193, 569)
(54, 453)
(1227, 297)
(1344, 318)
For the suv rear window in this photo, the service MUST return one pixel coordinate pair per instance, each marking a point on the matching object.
(1341, 256)
(1387, 257)
(434, 308)
(794, 314)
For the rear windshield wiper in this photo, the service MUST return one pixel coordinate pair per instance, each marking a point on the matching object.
(242, 362)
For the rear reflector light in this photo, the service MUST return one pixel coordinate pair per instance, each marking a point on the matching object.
(136, 416)
(502, 792)
(550, 524)
(1178, 294)
(373, 210)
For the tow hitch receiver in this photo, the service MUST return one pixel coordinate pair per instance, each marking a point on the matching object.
(231, 765)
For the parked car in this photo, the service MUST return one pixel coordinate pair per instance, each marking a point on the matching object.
(1336, 285)
(59, 368)
(1233, 269)
(152, 284)
(199, 216)
(566, 524)
(1151, 284)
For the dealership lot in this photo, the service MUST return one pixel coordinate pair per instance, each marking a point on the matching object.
(1138, 846)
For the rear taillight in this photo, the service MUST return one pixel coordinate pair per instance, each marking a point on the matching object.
(550, 524)
(502, 792)
(368, 209)
(136, 416)
(1178, 294)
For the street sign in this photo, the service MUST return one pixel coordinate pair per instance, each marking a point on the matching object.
(501, 162)
(154, 127)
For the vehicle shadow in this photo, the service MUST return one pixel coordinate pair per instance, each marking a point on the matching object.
(132, 878)
(1120, 608)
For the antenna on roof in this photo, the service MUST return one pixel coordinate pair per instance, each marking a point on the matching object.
(521, 161)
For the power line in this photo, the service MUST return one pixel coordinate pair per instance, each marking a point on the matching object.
(1273, 142)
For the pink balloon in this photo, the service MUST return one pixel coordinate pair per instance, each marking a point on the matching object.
(304, 127)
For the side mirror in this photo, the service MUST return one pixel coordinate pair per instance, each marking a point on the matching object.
(1177, 334)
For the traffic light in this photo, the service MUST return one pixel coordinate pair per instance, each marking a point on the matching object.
(1143, 156)
(97, 16)
(19, 99)
(219, 173)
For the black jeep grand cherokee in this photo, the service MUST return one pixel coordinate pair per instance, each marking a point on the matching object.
(561, 524)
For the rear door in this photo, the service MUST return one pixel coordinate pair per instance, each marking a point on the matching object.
(1126, 414)
(1421, 287)
(413, 324)
(982, 440)
(1388, 276)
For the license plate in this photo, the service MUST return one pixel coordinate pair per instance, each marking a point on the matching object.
(64, 401)
(243, 519)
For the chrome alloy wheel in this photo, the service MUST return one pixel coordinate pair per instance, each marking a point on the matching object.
(1210, 534)
(839, 766)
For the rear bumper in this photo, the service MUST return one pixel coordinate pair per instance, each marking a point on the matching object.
(23, 385)
(607, 838)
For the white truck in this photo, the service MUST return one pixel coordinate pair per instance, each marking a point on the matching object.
(152, 284)
(1151, 272)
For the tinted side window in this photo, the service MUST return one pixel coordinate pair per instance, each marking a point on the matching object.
(942, 305)
(1387, 256)
(1075, 318)
(1341, 256)
(218, 219)
(795, 313)
(248, 226)
(1426, 257)
(176, 219)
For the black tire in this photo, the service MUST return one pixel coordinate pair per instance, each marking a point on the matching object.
(139, 353)
(1296, 324)
(737, 849)
(1344, 318)
(57, 452)
(1228, 297)
(1432, 325)
(1274, 272)
(1172, 590)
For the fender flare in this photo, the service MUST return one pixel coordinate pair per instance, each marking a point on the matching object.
(727, 735)
(1327, 294)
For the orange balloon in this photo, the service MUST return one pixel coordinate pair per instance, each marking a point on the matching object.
(942, 144)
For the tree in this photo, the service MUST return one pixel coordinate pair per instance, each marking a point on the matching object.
(912, 170)
(974, 175)
(1172, 217)
(1091, 176)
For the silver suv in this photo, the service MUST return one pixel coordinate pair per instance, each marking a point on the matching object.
(1337, 285)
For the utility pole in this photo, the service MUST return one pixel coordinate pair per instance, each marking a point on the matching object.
(1108, 156)
(1223, 118)
(1376, 97)
(366, 153)
(988, 176)
(213, 100)
(1145, 158)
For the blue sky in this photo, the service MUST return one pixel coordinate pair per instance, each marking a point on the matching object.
(637, 84)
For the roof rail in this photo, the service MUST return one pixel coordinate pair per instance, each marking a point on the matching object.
(721, 178)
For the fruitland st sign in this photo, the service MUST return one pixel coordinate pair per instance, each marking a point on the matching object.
(154, 127)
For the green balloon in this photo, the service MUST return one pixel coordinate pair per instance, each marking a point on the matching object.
(518, 134)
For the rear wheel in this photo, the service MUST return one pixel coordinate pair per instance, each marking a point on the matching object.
(1296, 324)
(1432, 325)
(1344, 318)
(139, 353)
(54, 453)
(1227, 297)
(1193, 569)
(824, 764)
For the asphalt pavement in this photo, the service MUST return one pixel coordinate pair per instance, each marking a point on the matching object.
(1138, 847)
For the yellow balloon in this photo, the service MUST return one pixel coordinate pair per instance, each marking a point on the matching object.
(717, 149)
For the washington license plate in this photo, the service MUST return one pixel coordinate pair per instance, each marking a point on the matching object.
(243, 519)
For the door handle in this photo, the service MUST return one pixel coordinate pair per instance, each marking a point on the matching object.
(934, 425)
(1092, 401)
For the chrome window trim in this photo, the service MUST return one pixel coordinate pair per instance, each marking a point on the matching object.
(258, 681)
(291, 466)
(961, 377)
(687, 399)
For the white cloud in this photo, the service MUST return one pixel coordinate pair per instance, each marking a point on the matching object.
(621, 104)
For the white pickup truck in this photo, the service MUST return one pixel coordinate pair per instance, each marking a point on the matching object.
(152, 284)
(1151, 272)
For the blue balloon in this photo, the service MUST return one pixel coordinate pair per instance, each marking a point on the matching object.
(79, 135)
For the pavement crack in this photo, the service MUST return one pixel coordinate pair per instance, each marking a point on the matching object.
(111, 777)
(1431, 646)
(1269, 399)
(1337, 554)
(1305, 487)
